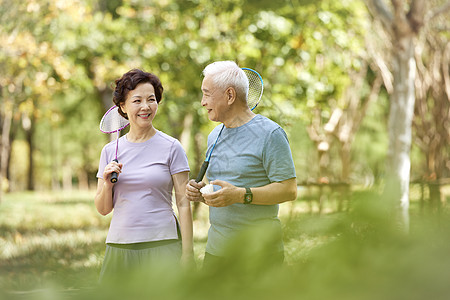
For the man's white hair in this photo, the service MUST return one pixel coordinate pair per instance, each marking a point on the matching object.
(227, 74)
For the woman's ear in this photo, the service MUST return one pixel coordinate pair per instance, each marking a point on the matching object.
(122, 107)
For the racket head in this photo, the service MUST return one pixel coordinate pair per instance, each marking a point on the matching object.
(112, 121)
(255, 87)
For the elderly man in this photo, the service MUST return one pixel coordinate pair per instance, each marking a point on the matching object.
(251, 164)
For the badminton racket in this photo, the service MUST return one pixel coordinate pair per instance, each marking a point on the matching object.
(113, 122)
(255, 91)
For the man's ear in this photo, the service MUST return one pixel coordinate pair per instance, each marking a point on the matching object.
(231, 95)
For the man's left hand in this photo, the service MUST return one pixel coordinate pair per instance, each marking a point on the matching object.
(227, 195)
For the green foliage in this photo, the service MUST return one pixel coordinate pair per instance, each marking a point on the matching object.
(52, 247)
(60, 60)
(371, 144)
(303, 151)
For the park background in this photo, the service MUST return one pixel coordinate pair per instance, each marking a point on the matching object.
(362, 89)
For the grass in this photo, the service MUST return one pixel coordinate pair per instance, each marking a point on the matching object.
(52, 246)
(58, 238)
(49, 237)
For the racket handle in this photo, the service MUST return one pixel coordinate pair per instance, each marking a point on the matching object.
(202, 171)
(114, 175)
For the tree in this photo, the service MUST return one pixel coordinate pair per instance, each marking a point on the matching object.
(329, 70)
(432, 110)
(403, 21)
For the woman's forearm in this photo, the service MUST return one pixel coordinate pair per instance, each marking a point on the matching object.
(184, 211)
(103, 198)
(185, 217)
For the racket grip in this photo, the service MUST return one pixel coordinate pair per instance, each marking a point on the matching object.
(114, 175)
(202, 171)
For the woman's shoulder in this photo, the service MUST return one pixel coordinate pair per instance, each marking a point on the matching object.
(171, 144)
(164, 138)
(112, 144)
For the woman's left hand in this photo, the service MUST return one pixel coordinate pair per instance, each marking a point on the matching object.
(187, 260)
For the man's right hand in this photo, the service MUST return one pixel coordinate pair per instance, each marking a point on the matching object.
(193, 191)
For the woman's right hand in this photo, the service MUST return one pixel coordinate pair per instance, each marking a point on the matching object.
(109, 169)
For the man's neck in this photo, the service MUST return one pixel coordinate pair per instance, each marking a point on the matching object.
(239, 118)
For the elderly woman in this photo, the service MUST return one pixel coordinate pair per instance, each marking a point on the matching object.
(144, 228)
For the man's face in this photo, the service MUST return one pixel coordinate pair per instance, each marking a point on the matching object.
(214, 100)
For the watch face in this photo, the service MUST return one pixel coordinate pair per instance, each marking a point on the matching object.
(248, 197)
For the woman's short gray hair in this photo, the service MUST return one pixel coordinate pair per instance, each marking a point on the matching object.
(227, 74)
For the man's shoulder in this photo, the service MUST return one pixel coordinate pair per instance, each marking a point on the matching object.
(266, 124)
(216, 130)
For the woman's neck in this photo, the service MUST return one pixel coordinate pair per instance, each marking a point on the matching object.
(140, 136)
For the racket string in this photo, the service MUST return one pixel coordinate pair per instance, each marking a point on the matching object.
(112, 121)
(255, 88)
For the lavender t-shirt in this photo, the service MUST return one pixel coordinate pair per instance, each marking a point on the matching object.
(142, 196)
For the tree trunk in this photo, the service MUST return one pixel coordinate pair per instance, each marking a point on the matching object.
(5, 149)
(435, 196)
(432, 120)
(403, 20)
(434, 171)
(106, 96)
(185, 137)
(83, 180)
(55, 184)
(67, 177)
(399, 127)
(28, 126)
(345, 152)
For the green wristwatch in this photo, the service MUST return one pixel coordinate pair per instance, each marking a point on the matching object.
(248, 197)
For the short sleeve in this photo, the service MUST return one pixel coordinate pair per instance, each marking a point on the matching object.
(277, 157)
(102, 163)
(178, 159)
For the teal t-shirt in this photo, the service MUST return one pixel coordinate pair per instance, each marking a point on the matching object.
(252, 155)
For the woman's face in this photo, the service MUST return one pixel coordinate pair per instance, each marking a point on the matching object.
(141, 106)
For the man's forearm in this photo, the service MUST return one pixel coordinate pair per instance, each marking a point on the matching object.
(274, 193)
